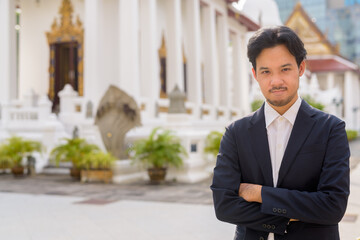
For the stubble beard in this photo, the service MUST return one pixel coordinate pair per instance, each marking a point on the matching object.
(281, 103)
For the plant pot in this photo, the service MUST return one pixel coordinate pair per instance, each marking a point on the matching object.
(75, 173)
(17, 171)
(96, 175)
(157, 175)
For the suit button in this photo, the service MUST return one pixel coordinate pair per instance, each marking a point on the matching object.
(274, 210)
(273, 227)
(268, 226)
(264, 225)
(279, 210)
(284, 211)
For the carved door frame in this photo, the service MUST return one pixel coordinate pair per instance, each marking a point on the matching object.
(67, 31)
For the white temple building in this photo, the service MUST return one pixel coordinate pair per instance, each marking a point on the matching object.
(59, 57)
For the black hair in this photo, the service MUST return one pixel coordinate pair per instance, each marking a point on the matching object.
(274, 36)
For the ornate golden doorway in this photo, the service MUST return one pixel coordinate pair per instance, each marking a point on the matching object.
(163, 69)
(162, 58)
(66, 43)
(66, 61)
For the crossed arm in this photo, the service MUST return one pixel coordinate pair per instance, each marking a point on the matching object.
(250, 192)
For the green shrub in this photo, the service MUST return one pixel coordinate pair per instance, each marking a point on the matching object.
(351, 134)
(97, 161)
(256, 104)
(73, 150)
(311, 101)
(212, 142)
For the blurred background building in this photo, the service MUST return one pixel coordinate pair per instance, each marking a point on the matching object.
(65, 65)
(338, 19)
(59, 59)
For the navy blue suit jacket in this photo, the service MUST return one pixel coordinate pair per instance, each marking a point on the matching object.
(313, 181)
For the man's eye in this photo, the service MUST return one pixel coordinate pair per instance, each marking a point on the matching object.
(265, 72)
(286, 69)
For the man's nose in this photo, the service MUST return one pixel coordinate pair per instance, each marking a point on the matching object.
(276, 80)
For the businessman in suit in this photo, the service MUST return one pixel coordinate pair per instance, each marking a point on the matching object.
(283, 171)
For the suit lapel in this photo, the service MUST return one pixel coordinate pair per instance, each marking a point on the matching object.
(302, 127)
(260, 145)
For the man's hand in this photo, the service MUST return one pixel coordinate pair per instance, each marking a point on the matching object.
(250, 192)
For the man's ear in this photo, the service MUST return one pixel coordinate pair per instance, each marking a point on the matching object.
(254, 73)
(302, 68)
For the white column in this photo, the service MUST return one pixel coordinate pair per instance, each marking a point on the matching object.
(223, 44)
(129, 47)
(194, 52)
(330, 80)
(210, 57)
(149, 60)
(8, 85)
(93, 88)
(349, 99)
(244, 76)
(236, 70)
(174, 60)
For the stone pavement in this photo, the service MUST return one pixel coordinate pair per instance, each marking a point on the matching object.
(63, 185)
(56, 207)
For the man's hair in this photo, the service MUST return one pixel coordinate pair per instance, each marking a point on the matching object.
(274, 36)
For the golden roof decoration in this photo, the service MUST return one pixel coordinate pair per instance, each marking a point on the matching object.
(162, 49)
(67, 31)
(316, 43)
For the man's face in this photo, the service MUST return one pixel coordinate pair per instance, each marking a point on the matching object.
(278, 76)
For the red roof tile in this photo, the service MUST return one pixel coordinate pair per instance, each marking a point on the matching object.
(329, 65)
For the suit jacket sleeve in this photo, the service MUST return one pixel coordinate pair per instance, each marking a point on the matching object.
(229, 207)
(327, 204)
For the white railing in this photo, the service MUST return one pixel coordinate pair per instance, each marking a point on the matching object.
(23, 115)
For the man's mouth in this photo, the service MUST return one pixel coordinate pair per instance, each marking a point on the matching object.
(278, 89)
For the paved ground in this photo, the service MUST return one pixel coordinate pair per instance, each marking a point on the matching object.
(55, 207)
(63, 185)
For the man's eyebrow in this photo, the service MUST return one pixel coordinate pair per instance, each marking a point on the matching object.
(287, 65)
(263, 68)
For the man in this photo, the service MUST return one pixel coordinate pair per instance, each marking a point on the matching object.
(283, 171)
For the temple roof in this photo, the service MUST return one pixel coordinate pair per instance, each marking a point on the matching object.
(330, 63)
(243, 20)
(322, 55)
(240, 17)
(316, 43)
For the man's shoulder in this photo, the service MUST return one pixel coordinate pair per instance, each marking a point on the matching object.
(324, 116)
(243, 122)
(323, 119)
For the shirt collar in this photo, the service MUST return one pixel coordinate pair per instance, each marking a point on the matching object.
(271, 114)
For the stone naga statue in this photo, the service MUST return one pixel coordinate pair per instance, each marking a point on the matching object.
(116, 115)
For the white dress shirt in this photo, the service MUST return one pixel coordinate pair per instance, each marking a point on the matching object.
(279, 128)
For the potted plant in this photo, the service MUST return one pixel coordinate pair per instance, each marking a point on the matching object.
(5, 163)
(157, 152)
(73, 150)
(97, 166)
(212, 143)
(14, 149)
